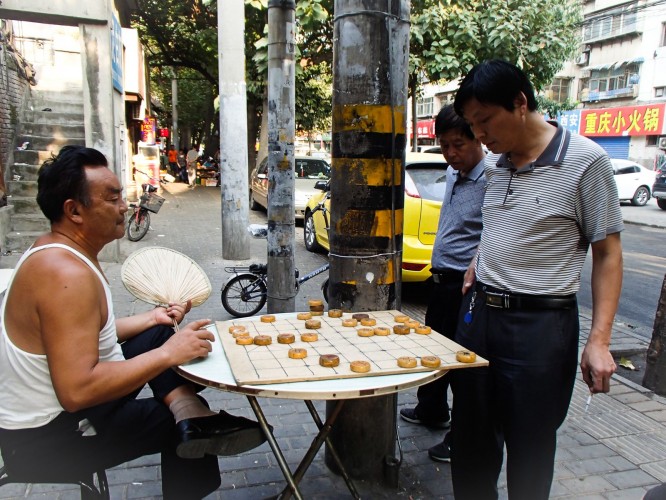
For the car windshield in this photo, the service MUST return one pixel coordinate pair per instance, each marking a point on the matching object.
(430, 181)
(312, 169)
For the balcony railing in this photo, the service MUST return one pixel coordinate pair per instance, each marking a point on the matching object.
(586, 95)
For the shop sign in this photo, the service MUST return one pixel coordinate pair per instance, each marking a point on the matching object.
(425, 129)
(116, 54)
(148, 130)
(570, 120)
(624, 121)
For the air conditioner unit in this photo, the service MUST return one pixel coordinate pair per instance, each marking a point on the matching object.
(662, 142)
(582, 59)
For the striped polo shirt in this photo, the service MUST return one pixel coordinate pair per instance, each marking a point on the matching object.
(459, 227)
(539, 220)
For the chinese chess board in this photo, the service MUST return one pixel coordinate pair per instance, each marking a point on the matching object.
(269, 364)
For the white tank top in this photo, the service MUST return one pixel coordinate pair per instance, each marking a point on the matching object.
(27, 397)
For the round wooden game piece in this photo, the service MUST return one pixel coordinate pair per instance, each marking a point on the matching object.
(304, 316)
(401, 318)
(401, 329)
(465, 357)
(309, 337)
(240, 334)
(244, 340)
(317, 313)
(263, 340)
(406, 362)
(286, 338)
(360, 316)
(382, 331)
(430, 361)
(412, 324)
(317, 309)
(267, 318)
(297, 353)
(349, 322)
(359, 366)
(365, 332)
(329, 360)
(368, 322)
(237, 329)
(312, 324)
(423, 330)
(335, 313)
(315, 302)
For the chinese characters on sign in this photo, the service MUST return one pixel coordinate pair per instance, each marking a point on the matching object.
(425, 129)
(116, 54)
(630, 120)
(148, 130)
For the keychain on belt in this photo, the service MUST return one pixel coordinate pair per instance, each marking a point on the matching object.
(468, 315)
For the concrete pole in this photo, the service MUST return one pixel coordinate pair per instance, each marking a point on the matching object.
(367, 197)
(175, 140)
(233, 129)
(281, 132)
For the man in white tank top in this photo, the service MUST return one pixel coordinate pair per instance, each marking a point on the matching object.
(70, 372)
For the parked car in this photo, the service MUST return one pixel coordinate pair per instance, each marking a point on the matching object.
(634, 182)
(306, 169)
(425, 183)
(659, 188)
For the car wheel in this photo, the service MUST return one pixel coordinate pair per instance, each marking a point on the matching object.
(641, 196)
(310, 234)
(253, 204)
(661, 202)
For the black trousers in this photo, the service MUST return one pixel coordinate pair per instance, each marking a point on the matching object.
(519, 400)
(442, 316)
(126, 429)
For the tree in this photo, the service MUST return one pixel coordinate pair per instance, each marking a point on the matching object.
(655, 370)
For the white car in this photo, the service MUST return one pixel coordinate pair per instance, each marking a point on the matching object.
(634, 182)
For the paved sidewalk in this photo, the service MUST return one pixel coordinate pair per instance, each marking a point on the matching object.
(616, 450)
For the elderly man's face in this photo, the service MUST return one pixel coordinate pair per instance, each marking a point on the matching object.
(495, 126)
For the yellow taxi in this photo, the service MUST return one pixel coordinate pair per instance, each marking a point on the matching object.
(425, 183)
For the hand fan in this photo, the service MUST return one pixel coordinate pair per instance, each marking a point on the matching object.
(160, 275)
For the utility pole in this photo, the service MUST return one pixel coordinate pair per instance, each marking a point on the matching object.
(174, 113)
(370, 61)
(233, 129)
(281, 132)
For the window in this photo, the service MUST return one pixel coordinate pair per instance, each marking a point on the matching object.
(660, 91)
(615, 80)
(611, 25)
(651, 140)
(559, 89)
(663, 35)
(425, 107)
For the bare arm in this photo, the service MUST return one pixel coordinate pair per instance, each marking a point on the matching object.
(597, 363)
(70, 336)
(127, 328)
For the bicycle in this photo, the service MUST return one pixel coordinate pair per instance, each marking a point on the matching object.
(138, 222)
(247, 291)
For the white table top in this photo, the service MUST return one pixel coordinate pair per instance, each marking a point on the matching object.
(214, 371)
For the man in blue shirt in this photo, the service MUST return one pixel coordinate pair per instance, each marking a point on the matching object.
(457, 238)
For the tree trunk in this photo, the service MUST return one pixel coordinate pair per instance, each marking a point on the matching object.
(252, 132)
(413, 88)
(655, 371)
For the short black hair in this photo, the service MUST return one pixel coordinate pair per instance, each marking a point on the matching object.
(63, 177)
(495, 81)
(447, 119)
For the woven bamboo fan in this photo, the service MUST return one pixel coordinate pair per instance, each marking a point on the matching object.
(159, 275)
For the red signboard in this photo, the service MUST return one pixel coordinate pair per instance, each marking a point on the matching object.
(164, 132)
(629, 120)
(425, 129)
(148, 130)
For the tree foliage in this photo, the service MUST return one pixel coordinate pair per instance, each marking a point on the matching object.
(448, 37)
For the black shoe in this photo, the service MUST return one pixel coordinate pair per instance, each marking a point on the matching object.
(440, 452)
(409, 415)
(220, 434)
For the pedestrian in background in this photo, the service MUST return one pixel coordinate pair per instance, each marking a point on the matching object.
(455, 246)
(192, 157)
(182, 166)
(173, 161)
(550, 196)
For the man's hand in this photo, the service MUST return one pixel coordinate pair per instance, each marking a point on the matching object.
(188, 343)
(597, 365)
(470, 276)
(175, 311)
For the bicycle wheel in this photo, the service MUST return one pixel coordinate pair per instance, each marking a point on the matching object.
(244, 295)
(137, 226)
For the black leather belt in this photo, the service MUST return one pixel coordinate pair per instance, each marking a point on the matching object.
(505, 300)
(443, 275)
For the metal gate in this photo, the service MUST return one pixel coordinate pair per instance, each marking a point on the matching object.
(616, 147)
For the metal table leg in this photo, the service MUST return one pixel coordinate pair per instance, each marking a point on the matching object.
(322, 436)
(274, 446)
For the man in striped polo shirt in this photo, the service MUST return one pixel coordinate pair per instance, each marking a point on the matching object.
(550, 196)
(458, 235)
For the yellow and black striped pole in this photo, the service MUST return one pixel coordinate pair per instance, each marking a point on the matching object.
(370, 63)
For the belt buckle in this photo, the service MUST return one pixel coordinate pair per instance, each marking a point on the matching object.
(498, 300)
